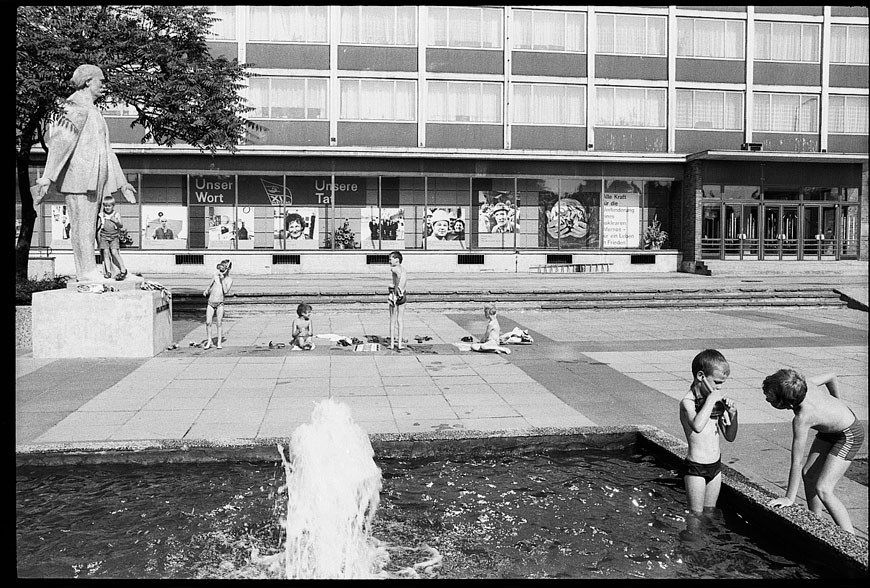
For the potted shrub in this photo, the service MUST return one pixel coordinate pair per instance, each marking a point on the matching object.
(654, 237)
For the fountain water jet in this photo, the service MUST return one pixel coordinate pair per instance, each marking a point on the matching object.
(333, 491)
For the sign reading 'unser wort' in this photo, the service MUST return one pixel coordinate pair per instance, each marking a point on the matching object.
(275, 190)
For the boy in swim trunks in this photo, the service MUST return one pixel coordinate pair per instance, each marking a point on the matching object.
(216, 291)
(706, 415)
(397, 299)
(838, 438)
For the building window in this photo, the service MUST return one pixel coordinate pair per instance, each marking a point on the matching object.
(379, 25)
(849, 45)
(113, 108)
(631, 107)
(547, 30)
(782, 41)
(786, 113)
(548, 104)
(288, 98)
(452, 26)
(704, 37)
(631, 35)
(224, 27)
(294, 24)
(478, 102)
(706, 110)
(847, 115)
(388, 100)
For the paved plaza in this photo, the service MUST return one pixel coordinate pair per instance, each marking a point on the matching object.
(585, 367)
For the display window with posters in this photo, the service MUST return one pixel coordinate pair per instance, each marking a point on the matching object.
(570, 221)
(497, 219)
(621, 205)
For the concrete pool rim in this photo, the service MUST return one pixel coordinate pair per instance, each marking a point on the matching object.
(844, 550)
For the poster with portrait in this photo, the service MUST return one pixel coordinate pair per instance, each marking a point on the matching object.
(60, 227)
(497, 219)
(571, 221)
(446, 228)
(388, 227)
(295, 228)
(164, 226)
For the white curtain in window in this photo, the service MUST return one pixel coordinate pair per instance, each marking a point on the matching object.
(377, 26)
(259, 25)
(604, 106)
(784, 112)
(733, 39)
(733, 111)
(684, 109)
(491, 27)
(628, 107)
(656, 37)
(785, 42)
(406, 25)
(709, 38)
(836, 114)
(288, 98)
(350, 24)
(809, 114)
(225, 28)
(656, 108)
(523, 30)
(631, 32)
(315, 25)
(575, 36)
(349, 95)
(856, 115)
(489, 109)
(709, 109)
(550, 30)
(258, 96)
(285, 24)
(810, 43)
(762, 40)
(606, 33)
(685, 35)
(465, 27)
(316, 99)
(438, 26)
(376, 100)
(438, 102)
(522, 104)
(858, 49)
(761, 112)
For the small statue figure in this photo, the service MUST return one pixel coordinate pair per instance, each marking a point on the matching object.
(83, 167)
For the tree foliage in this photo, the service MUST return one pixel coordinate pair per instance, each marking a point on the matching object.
(155, 59)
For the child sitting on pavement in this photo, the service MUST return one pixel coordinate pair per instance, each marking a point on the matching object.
(217, 290)
(302, 330)
(839, 436)
(705, 414)
(491, 341)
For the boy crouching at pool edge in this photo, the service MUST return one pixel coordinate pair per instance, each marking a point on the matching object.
(706, 415)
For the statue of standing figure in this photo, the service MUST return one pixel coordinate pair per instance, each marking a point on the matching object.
(83, 167)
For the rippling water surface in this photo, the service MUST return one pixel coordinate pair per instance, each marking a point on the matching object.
(589, 514)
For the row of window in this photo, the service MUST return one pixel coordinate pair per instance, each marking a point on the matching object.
(547, 30)
(275, 97)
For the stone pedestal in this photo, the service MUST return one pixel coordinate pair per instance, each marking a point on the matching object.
(127, 323)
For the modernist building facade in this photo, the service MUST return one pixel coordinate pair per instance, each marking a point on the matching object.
(503, 137)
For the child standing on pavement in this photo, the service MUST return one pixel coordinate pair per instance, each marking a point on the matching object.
(839, 436)
(397, 299)
(110, 239)
(302, 330)
(491, 341)
(220, 286)
(705, 415)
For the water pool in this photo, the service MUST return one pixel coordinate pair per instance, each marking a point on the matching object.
(592, 513)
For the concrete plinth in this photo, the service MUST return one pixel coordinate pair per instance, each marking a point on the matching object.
(128, 323)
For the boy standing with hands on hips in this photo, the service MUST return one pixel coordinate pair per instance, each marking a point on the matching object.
(706, 415)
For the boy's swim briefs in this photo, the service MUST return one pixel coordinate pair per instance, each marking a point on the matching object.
(708, 471)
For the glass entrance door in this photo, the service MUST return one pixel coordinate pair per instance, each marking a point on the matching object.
(741, 231)
(819, 233)
(780, 232)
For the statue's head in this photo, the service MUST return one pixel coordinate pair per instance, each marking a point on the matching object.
(85, 73)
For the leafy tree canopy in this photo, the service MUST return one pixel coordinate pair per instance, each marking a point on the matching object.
(155, 59)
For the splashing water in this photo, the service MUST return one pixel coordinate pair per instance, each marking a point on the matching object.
(333, 491)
